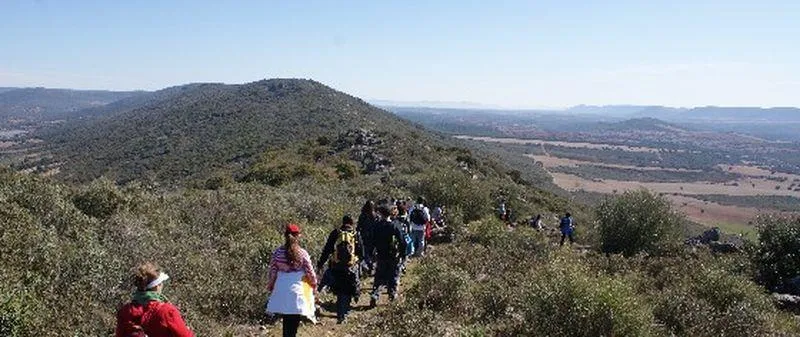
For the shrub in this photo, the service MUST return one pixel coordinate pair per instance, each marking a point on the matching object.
(637, 221)
(442, 289)
(13, 315)
(282, 172)
(713, 302)
(346, 170)
(100, 199)
(456, 190)
(777, 254)
(566, 299)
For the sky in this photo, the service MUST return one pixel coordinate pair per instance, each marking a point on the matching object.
(517, 54)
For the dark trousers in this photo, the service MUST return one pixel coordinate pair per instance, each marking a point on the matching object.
(369, 249)
(346, 284)
(343, 305)
(290, 325)
(565, 235)
(327, 279)
(387, 274)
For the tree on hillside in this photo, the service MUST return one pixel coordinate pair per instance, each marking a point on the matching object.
(637, 221)
(776, 255)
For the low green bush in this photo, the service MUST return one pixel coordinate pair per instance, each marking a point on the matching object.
(456, 190)
(638, 221)
(777, 254)
(713, 302)
(100, 199)
(565, 299)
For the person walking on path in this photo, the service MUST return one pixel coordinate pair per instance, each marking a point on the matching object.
(150, 313)
(567, 227)
(536, 222)
(345, 249)
(390, 248)
(292, 283)
(364, 226)
(420, 217)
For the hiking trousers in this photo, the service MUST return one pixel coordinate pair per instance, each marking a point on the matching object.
(368, 261)
(566, 234)
(343, 306)
(418, 239)
(291, 323)
(387, 274)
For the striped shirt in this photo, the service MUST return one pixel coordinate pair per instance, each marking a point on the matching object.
(280, 263)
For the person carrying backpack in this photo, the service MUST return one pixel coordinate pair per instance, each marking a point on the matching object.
(149, 314)
(390, 248)
(420, 216)
(405, 225)
(364, 226)
(345, 250)
(567, 227)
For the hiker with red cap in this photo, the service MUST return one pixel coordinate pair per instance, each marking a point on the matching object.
(292, 283)
(149, 313)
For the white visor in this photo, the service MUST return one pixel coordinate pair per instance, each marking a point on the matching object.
(160, 279)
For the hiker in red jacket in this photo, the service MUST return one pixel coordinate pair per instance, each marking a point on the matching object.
(149, 313)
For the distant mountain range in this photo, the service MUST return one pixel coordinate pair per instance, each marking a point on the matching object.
(681, 115)
(37, 104)
(709, 113)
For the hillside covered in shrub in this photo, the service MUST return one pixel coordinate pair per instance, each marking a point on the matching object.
(68, 247)
(188, 132)
(201, 179)
(501, 282)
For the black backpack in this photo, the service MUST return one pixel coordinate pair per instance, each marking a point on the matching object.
(418, 216)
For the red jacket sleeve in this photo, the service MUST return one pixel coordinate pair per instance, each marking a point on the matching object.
(174, 322)
(128, 318)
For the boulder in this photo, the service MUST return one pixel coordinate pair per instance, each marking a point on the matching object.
(723, 247)
(787, 302)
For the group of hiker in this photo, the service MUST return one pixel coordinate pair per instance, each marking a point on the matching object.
(566, 224)
(378, 244)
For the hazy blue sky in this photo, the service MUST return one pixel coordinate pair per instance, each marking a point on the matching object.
(510, 53)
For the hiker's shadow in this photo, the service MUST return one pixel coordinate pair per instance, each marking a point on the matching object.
(360, 308)
(330, 307)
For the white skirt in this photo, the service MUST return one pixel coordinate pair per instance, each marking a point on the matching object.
(292, 296)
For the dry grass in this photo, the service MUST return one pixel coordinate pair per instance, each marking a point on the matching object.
(747, 186)
(551, 161)
(578, 145)
(758, 172)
